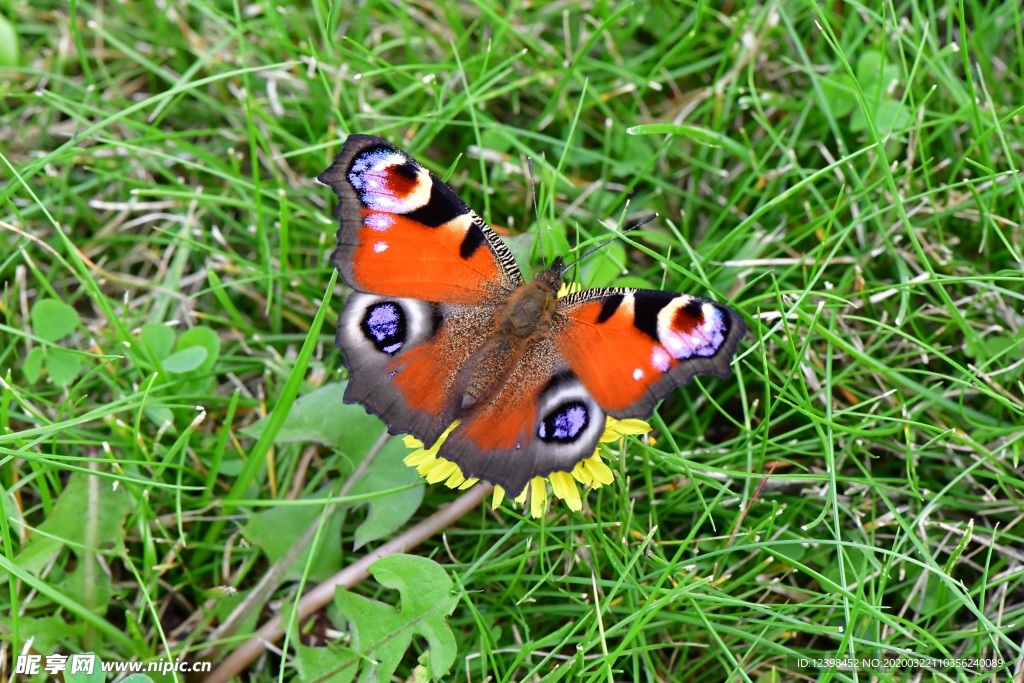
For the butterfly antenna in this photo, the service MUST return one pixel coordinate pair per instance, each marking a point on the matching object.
(600, 246)
(536, 211)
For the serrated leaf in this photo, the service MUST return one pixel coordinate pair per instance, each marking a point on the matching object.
(390, 511)
(46, 633)
(381, 633)
(63, 366)
(322, 416)
(325, 664)
(158, 340)
(33, 365)
(87, 501)
(52, 319)
(186, 360)
(264, 529)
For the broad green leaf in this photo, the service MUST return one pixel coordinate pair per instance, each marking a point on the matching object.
(789, 553)
(137, 678)
(325, 664)
(381, 633)
(158, 340)
(872, 75)
(605, 265)
(186, 360)
(322, 416)
(52, 319)
(204, 337)
(275, 530)
(390, 511)
(95, 676)
(857, 562)
(10, 44)
(88, 509)
(46, 632)
(91, 589)
(387, 512)
(62, 365)
(553, 242)
(840, 93)
(891, 116)
(33, 365)
(634, 282)
(159, 413)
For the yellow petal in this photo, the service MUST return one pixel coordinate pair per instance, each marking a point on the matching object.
(456, 480)
(418, 457)
(601, 473)
(411, 441)
(616, 429)
(521, 498)
(581, 474)
(441, 471)
(630, 426)
(568, 288)
(538, 497)
(564, 487)
(499, 495)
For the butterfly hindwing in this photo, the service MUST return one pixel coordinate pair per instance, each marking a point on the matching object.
(542, 421)
(404, 233)
(631, 347)
(406, 359)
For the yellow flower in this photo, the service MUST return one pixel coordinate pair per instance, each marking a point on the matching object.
(592, 472)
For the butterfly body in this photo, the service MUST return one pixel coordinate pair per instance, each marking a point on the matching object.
(441, 326)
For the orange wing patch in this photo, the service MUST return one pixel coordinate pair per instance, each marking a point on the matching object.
(422, 379)
(396, 256)
(630, 348)
(614, 360)
(404, 233)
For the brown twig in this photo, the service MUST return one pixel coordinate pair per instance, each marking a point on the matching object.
(320, 596)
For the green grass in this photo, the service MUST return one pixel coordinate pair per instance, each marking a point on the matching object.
(844, 175)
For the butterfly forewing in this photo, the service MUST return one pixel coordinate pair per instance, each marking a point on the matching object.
(404, 233)
(631, 347)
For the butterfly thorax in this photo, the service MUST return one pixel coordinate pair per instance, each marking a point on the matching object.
(525, 315)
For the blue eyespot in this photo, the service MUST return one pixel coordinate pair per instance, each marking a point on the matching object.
(565, 423)
(383, 326)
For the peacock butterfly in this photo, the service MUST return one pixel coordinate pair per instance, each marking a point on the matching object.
(441, 326)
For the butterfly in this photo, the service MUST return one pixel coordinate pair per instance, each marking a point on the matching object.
(441, 326)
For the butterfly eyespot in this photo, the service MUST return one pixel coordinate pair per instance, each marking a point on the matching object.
(384, 326)
(565, 423)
